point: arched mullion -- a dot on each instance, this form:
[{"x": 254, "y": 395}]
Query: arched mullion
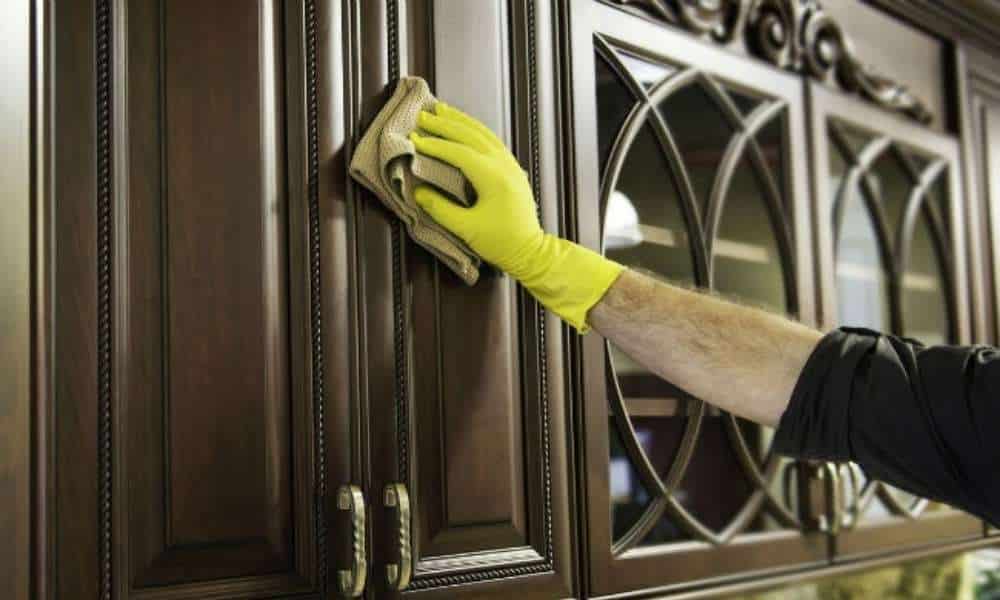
[
  {"x": 606, "y": 51},
  {"x": 668, "y": 143},
  {"x": 630, "y": 129},
  {"x": 857, "y": 178},
  {"x": 874, "y": 201},
  {"x": 745, "y": 140},
  {"x": 761, "y": 480},
  {"x": 635, "y": 452},
  {"x": 727, "y": 165},
  {"x": 911, "y": 213},
  {"x": 860, "y": 162},
  {"x": 779, "y": 222}
]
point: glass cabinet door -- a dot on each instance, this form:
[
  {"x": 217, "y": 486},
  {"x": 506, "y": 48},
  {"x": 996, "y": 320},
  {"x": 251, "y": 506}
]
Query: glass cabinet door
[
  {"x": 689, "y": 177},
  {"x": 892, "y": 259}
]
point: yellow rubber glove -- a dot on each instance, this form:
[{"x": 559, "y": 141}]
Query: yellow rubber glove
[{"x": 502, "y": 227}]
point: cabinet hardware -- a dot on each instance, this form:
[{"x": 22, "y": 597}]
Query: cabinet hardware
[
  {"x": 352, "y": 581},
  {"x": 852, "y": 509},
  {"x": 830, "y": 522},
  {"x": 399, "y": 574}
]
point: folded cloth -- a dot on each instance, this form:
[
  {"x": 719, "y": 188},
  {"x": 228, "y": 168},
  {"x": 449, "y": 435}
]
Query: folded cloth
[{"x": 386, "y": 162}]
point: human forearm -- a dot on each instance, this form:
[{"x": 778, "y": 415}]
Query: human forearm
[{"x": 743, "y": 360}]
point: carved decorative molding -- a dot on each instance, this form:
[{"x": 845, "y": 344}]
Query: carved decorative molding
[{"x": 793, "y": 34}]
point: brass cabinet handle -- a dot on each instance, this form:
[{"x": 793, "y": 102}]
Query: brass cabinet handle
[
  {"x": 830, "y": 523},
  {"x": 853, "y": 509},
  {"x": 399, "y": 574},
  {"x": 353, "y": 580}
]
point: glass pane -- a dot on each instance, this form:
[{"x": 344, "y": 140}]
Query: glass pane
[
  {"x": 643, "y": 224},
  {"x": 855, "y": 139},
  {"x": 644, "y": 228},
  {"x": 746, "y": 260},
  {"x": 656, "y": 409},
  {"x": 862, "y": 289},
  {"x": 907, "y": 499},
  {"x": 939, "y": 196},
  {"x": 629, "y": 496},
  {"x": 745, "y": 102},
  {"x": 925, "y": 309},
  {"x": 771, "y": 139},
  {"x": 646, "y": 72},
  {"x": 891, "y": 185},
  {"x": 715, "y": 487},
  {"x": 614, "y": 101},
  {"x": 702, "y": 134},
  {"x": 758, "y": 439}
]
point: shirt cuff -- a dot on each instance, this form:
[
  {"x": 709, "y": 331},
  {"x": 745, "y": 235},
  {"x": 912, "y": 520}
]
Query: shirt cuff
[{"x": 815, "y": 425}]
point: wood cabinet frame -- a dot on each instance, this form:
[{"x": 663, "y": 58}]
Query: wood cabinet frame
[
  {"x": 979, "y": 97},
  {"x": 825, "y": 104}
]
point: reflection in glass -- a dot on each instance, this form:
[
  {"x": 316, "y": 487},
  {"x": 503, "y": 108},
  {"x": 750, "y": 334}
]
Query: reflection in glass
[
  {"x": 715, "y": 487},
  {"x": 862, "y": 289},
  {"x": 647, "y": 73},
  {"x": 644, "y": 226},
  {"x": 629, "y": 496},
  {"x": 746, "y": 260},
  {"x": 855, "y": 139},
  {"x": 701, "y": 132},
  {"x": 614, "y": 102},
  {"x": 891, "y": 184},
  {"x": 771, "y": 139},
  {"x": 744, "y": 101},
  {"x": 925, "y": 310}
]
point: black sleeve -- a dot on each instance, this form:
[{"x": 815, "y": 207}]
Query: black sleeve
[{"x": 922, "y": 419}]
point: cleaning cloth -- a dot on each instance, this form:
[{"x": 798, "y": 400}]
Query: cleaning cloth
[{"x": 386, "y": 162}]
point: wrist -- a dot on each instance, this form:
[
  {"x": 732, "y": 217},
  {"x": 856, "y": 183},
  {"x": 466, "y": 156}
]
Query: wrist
[{"x": 567, "y": 278}]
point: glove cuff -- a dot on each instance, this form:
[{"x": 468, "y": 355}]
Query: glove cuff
[{"x": 567, "y": 278}]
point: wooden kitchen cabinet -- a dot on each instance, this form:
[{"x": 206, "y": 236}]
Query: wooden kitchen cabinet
[
  {"x": 250, "y": 383},
  {"x": 228, "y": 373}
]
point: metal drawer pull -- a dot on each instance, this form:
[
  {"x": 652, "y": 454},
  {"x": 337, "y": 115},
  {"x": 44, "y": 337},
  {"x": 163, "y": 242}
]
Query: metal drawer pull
[
  {"x": 352, "y": 581},
  {"x": 399, "y": 574}
]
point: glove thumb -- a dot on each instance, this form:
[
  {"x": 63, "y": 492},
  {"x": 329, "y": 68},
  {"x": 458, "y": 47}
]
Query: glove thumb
[{"x": 448, "y": 214}]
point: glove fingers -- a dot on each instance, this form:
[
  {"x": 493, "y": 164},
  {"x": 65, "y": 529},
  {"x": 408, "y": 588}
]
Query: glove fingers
[
  {"x": 457, "y": 155},
  {"x": 451, "y": 113},
  {"x": 455, "y": 131},
  {"x": 448, "y": 214}
]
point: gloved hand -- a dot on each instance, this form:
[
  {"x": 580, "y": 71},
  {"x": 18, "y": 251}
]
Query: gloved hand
[{"x": 502, "y": 227}]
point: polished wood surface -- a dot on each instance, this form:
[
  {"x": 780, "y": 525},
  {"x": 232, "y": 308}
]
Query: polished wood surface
[
  {"x": 210, "y": 487},
  {"x": 16, "y": 289},
  {"x": 210, "y": 391}
]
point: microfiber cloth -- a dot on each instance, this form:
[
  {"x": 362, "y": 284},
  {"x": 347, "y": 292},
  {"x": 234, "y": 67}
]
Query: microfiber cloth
[{"x": 386, "y": 162}]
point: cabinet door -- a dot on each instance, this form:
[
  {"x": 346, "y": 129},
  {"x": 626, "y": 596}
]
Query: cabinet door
[
  {"x": 464, "y": 383},
  {"x": 689, "y": 168},
  {"x": 191, "y": 410},
  {"x": 890, "y": 236}
]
